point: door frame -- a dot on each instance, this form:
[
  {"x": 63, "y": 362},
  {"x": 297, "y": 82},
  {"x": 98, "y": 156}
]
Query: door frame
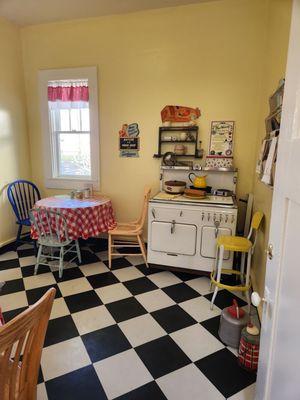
[{"x": 275, "y": 268}]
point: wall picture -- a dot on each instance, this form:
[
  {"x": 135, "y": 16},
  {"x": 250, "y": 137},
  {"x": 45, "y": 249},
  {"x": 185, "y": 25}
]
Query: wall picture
[
  {"x": 221, "y": 139},
  {"x": 129, "y": 141}
]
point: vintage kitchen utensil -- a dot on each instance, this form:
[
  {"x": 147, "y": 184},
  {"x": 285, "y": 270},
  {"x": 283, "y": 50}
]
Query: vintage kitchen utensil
[
  {"x": 183, "y": 136},
  {"x": 198, "y": 181},
  {"x": 222, "y": 192},
  {"x": 207, "y": 189},
  {"x": 79, "y": 194},
  {"x": 233, "y": 320},
  {"x": 194, "y": 197},
  {"x": 195, "y": 192},
  {"x": 174, "y": 187},
  {"x": 169, "y": 158},
  {"x": 180, "y": 149},
  {"x": 87, "y": 193}
]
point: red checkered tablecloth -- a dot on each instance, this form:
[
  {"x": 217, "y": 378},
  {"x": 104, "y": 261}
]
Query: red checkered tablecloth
[{"x": 85, "y": 218}]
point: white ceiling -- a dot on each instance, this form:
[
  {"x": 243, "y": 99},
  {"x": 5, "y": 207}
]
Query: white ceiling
[{"x": 28, "y": 12}]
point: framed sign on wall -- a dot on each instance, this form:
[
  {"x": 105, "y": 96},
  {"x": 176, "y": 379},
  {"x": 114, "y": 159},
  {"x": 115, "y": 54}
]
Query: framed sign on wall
[
  {"x": 129, "y": 141},
  {"x": 221, "y": 139}
]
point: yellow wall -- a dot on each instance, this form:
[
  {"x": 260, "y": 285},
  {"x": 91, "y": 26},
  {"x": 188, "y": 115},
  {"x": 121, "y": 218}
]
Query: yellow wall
[
  {"x": 207, "y": 55},
  {"x": 14, "y": 149},
  {"x": 279, "y": 12},
  {"x": 225, "y": 57}
]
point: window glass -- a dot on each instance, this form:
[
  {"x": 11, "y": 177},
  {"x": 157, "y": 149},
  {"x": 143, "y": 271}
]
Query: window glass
[
  {"x": 75, "y": 119},
  {"x": 74, "y": 154},
  {"x": 85, "y": 119},
  {"x": 64, "y": 120}
]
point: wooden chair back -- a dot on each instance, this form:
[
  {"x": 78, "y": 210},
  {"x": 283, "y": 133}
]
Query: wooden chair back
[
  {"x": 255, "y": 225},
  {"x": 146, "y": 197},
  {"x": 21, "y": 344},
  {"x": 51, "y": 227},
  {"x": 256, "y": 220},
  {"x": 22, "y": 196}
]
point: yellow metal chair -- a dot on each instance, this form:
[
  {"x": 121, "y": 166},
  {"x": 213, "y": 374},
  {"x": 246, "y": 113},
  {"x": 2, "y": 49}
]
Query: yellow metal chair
[{"x": 243, "y": 245}]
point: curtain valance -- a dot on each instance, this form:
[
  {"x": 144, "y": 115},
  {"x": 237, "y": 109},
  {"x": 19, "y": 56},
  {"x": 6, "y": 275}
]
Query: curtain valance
[{"x": 68, "y": 91}]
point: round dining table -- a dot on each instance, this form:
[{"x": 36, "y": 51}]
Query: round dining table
[{"x": 85, "y": 217}]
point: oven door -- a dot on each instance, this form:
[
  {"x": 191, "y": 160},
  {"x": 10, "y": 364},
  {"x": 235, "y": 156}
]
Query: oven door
[
  {"x": 208, "y": 241},
  {"x": 173, "y": 238}
]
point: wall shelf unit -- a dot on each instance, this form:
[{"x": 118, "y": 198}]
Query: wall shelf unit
[
  {"x": 207, "y": 169},
  {"x": 266, "y": 164},
  {"x": 192, "y": 139}
]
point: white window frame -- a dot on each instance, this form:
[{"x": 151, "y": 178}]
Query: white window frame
[{"x": 56, "y": 182}]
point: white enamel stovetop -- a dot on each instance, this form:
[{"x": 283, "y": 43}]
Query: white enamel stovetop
[{"x": 209, "y": 200}]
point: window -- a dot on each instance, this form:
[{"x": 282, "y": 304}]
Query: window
[{"x": 70, "y": 124}]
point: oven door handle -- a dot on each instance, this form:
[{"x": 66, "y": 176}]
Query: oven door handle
[
  {"x": 173, "y": 226},
  {"x": 217, "y": 224}
]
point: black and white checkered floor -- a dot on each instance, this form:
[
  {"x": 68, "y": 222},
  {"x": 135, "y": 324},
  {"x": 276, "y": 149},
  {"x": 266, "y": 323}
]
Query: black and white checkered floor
[{"x": 130, "y": 333}]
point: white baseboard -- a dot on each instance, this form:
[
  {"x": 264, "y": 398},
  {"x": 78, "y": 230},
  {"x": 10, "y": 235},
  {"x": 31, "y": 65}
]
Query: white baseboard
[{"x": 9, "y": 241}]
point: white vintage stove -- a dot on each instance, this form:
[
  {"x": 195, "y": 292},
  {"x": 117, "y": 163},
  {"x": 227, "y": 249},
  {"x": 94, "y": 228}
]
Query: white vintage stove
[{"x": 182, "y": 232}]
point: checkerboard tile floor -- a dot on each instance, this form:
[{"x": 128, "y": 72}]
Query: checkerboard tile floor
[{"x": 131, "y": 333}]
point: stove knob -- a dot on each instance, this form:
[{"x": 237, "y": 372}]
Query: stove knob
[
  {"x": 208, "y": 216},
  {"x": 215, "y": 217},
  {"x": 202, "y": 216},
  {"x": 226, "y": 218},
  {"x": 232, "y": 219},
  {"x": 181, "y": 213},
  {"x": 221, "y": 217}
]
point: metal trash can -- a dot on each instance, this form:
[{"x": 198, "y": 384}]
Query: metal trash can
[{"x": 233, "y": 320}]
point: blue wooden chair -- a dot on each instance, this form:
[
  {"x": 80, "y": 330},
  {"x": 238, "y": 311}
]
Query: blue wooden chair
[{"x": 22, "y": 196}]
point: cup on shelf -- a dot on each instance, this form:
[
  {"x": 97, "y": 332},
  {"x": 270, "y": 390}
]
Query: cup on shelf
[
  {"x": 183, "y": 136},
  {"x": 180, "y": 149}
]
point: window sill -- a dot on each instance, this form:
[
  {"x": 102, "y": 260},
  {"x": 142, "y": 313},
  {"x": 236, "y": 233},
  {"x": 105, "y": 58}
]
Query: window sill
[{"x": 65, "y": 183}]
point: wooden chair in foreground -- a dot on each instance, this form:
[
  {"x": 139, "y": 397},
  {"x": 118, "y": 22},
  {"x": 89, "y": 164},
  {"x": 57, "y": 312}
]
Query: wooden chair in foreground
[
  {"x": 132, "y": 232},
  {"x": 21, "y": 344}
]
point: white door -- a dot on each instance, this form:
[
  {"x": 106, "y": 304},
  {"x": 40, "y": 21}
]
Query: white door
[{"x": 279, "y": 365}]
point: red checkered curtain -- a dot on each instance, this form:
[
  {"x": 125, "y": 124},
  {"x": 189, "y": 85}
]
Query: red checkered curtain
[{"x": 68, "y": 91}]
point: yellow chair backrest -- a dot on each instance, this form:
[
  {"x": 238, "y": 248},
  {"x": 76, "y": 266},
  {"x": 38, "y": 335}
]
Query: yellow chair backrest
[{"x": 256, "y": 220}]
